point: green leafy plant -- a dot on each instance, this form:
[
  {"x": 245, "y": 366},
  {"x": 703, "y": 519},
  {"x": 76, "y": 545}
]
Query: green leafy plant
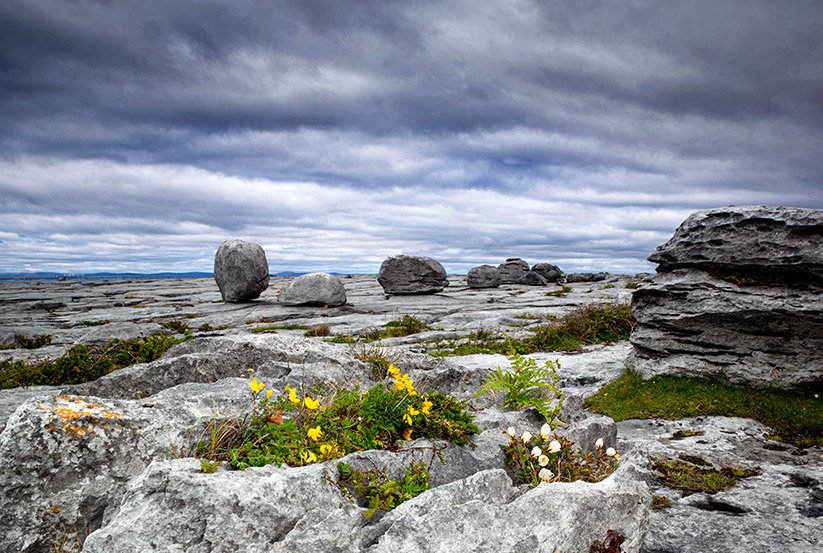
[
  {"x": 177, "y": 326},
  {"x": 301, "y": 428},
  {"x": 374, "y": 489},
  {"x": 544, "y": 457},
  {"x": 527, "y": 385}
]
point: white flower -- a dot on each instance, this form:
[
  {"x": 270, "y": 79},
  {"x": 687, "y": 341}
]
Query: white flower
[
  {"x": 554, "y": 446},
  {"x": 611, "y": 452},
  {"x": 536, "y": 452},
  {"x": 543, "y": 460},
  {"x": 545, "y": 475},
  {"x": 526, "y": 437},
  {"x": 599, "y": 443},
  {"x": 511, "y": 431},
  {"x": 545, "y": 430}
]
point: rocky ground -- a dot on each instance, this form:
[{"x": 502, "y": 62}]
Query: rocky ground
[{"x": 135, "y": 487}]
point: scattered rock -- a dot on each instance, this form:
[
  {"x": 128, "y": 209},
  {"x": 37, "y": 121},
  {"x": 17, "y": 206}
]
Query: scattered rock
[
  {"x": 739, "y": 296},
  {"x": 314, "y": 289},
  {"x": 513, "y": 270},
  {"x": 241, "y": 270},
  {"x": 551, "y": 273},
  {"x": 533, "y": 279},
  {"x": 406, "y": 274},
  {"x": 586, "y": 277},
  {"x": 484, "y": 276}
]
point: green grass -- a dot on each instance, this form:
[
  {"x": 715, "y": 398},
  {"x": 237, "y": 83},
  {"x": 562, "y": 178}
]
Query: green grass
[
  {"x": 689, "y": 478},
  {"x": 272, "y": 329},
  {"x": 84, "y": 363},
  {"x": 796, "y": 417},
  {"x": 593, "y": 324},
  {"x": 341, "y": 339},
  {"x": 377, "y": 357},
  {"x": 405, "y": 326},
  {"x": 177, "y": 326}
]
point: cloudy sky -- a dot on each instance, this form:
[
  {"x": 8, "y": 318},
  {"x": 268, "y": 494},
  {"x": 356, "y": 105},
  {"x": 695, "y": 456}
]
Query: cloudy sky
[{"x": 136, "y": 136}]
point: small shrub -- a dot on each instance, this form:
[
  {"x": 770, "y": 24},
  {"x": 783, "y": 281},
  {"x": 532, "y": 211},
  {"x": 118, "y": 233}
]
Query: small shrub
[
  {"x": 319, "y": 330},
  {"x": 177, "y": 326},
  {"x": 205, "y": 327},
  {"x": 405, "y": 326},
  {"x": 527, "y": 385},
  {"x": 631, "y": 285},
  {"x": 543, "y": 457},
  {"x": 33, "y": 342},
  {"x": 375, "y": 490},
  {"x": 379, "y": 359},
  {"x": 689, "y": 478}
]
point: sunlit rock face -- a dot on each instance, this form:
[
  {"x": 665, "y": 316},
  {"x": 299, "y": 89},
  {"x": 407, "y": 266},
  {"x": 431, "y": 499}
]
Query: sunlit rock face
[{"x": 738, "y": 295}]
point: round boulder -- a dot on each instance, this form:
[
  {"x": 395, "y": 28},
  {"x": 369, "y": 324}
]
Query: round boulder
[
  {"x": 314, "y": 289},
  {"x": 484, "y": 276},
  {"x": 513, "y": 270},
  {"x": 533, "y": 279},
  {"x": 407, "y": 274},
  {"x": 548, "y": 271},
  {"x": 241, "y": 270}
]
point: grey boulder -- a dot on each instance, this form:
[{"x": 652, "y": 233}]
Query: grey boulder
[
  {"x": 241, "y": 270},
  {"x": 533, "y": 279},
  {"x": 586, "y": 277},
  {"x": 513, "y": 270},
  {"x": 407, "y": 274},
  {"x": 483, "y": 276},
  {"x": 314, "y": 289},
  {"x": 551, "y": 273}
]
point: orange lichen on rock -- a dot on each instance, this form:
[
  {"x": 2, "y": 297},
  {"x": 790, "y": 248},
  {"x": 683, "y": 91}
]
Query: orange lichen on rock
[{"x": 80, "y": 418}]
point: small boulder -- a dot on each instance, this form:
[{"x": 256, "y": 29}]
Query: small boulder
[
  {"x": 586, "y": 277},
  {"x": 314, "y": 289},
  {"x": 533, "y": 279},
  {"x": 484, "y": 276},
  {"x": 407, "y": 274},
  {"x": 241, "y": 270},
  {"x": 513, "y": 270},
  {"x": 551, "y": 273}
]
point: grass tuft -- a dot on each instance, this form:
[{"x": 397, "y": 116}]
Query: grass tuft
[
  {"x": 689, "y": 478},
  {"x": 559, "y": 293},
  {"x": 405, "y": 326},
  {"x": 323, "y": 329},
  {"x": 796, "y": 417}
]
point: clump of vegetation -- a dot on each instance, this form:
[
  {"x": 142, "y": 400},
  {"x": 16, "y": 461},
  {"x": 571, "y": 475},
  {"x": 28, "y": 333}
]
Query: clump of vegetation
[
  {"x": 795, "y": 416},
  {"x": 608, "y": 286},
  {"x": 83, "y": 363},
  {"x": 341, "y": 339},
  {"x": 593, "y": 324},
  {"x": 527, "y": 385},
  {"x": 377, "y": 357},
  {"x": 689, "y": 478},
  {"x": 267, "y": 329},
  {"x": 405, "y": 326},
  {"x": 319, "y": 330},
  {"x": 559, "y": 293},
  {"x": 33, "y": 342},
  {"x": 660, "y": 502},
  {"x": 177, "y": 326},
  {"x": 299, "y": 429},
  {"x": 543, "y": 457},
  {"x": 374, "y": 489},
  {"x": 631, "y": 285},
  {"x": 479, "y": 341}
]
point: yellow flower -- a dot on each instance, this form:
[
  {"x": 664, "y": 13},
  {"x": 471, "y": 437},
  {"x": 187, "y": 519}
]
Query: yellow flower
[
  {"x": 407, "y": 433},
  {"x": 427, "y": 405},
  {"x": 407, "y": 419},
  {"x": 399, "y": 383},
  {"x": 616, "y": 456},
  {"x": 293, "y": 395},
  {"x": 325, "y": 449},
  {"x": 311, "y": 403},
  {"x": 314, "y": 433},
  {"x": 412, "y": 411},
  {"x": 309, "y": 457},
  {"x": 269, "y": 393},
  {"x": 256, "y": 386},
  {"x": 394, "y": 371}
]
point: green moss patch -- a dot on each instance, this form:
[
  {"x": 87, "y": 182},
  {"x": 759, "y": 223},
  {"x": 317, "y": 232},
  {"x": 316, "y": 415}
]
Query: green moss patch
[
  {"x": 689, "y": 478},
  {"x": 795, "y": 417}
]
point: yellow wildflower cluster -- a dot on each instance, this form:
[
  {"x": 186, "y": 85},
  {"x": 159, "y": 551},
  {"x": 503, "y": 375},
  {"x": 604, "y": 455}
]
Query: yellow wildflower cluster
[{"x": 402, "y": 381}]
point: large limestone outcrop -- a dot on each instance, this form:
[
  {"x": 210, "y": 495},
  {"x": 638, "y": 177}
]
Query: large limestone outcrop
[
  {"x": 738, "y": 295},
  {"x": 241, "y": 270},
  {"x": 407, "y": 274}
]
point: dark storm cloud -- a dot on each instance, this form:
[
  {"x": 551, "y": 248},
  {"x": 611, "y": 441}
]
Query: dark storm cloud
[{"x": 469, "y": 130}]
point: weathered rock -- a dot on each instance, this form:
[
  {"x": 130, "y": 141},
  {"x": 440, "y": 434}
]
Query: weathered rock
[
  {"x": 533, "y": 279},
  {"x": 483, "y": 276},
  {"x": 586, "y": 277},
  {"x": 513, "y": 270},
  {"x": 738, "y": 296},
  {"x": 406, "y": 274},
  {"x": 241, "y": 270},
  {"x": 551, "y": 273},
  {"x": 314, "y": 289},
  {"x": 586, "y": 431}
]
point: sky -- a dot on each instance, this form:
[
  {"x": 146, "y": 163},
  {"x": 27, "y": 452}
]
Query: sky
[{"x": 138, "y": 135}]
